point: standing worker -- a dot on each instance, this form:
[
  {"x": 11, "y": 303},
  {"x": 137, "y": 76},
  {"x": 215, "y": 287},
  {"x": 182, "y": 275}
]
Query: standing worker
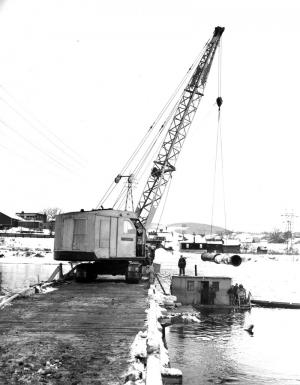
[
  {"x": 230, "y": 292},
  {"x": 152, "y": 252},
  {"x": 235, "y": 294},
  {"x": 241, "y": 295},
  {"x": 181, "y": 265}
]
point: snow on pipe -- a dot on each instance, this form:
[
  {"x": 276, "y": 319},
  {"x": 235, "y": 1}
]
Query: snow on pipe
[{"x": 234, "y": 259}]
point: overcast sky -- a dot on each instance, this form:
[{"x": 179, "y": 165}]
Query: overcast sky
[{"x": 81, "y": 81}]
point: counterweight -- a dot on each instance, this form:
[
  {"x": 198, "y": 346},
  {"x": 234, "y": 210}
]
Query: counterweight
[{"x": 164, "y": 165}]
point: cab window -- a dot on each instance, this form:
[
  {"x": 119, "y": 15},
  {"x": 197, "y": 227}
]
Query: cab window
[{"x": 128, "y": 228}]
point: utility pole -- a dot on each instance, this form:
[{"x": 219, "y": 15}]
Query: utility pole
[
  {"x": 289, "y": 221},
  {"x": 194, "y": 236}
]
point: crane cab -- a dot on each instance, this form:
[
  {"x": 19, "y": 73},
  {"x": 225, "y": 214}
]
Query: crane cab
[{"x": 110, "y": 238}]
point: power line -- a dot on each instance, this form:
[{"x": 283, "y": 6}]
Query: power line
[
  {"x": 32, "y": 126},
  {"x": 26, "y": 159},
  {"x": 36, "y": 147},
  {"x": 75, "y": 157}
]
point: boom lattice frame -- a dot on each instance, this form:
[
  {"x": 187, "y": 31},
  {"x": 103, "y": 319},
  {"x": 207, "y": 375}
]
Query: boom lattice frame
[{"x": 164, "y": 165}]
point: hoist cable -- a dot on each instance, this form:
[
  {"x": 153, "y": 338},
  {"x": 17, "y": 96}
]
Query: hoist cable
[
  {"x": 142, "y": 161},
  {"x": 152, "y": 144},
  {"x": 107, "y": 193},
  {"x": 154, "y": 141},
  {"x": 120, "y": 203},
  {"x": 120, "y": 196},
  {"x": 170, "y": 115},
  {"x": 214, "y": 183},
  {"x": 147, "y": 153},
  {"x": 146, "y": 166},
  {"x": 220, "y": 133},
  {"x": 113, "y": 185},
  {"x": 219, "y": 143},
  {"x": 222, "y": 173},
  {"x": 139, "y": 146}
]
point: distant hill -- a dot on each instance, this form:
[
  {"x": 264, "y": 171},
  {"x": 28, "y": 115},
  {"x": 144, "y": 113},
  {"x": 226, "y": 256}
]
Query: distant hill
[{"x": 197, "y": 228}]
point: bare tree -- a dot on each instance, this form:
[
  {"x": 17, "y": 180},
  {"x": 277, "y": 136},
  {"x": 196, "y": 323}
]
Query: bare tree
[{"x": 51, "y": 213}]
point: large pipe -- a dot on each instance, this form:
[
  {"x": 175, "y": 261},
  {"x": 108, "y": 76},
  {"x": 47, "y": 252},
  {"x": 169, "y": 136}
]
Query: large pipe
[{"x": 234, "y": 259}]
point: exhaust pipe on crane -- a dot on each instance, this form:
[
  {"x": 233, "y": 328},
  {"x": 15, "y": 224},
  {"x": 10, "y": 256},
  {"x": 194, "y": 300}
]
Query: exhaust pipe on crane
[{"x": 234, "y": 259}]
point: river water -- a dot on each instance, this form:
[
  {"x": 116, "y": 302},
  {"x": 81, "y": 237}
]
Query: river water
[
  {"x": 218, "y": 350},
  {"x": 19, "y": 273}
]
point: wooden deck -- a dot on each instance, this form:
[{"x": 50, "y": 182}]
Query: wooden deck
[{"x": 77, "y": 334}]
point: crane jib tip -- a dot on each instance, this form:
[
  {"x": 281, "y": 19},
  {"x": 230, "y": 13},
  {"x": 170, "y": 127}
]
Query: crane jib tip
[{"x": 219, "y": 31}]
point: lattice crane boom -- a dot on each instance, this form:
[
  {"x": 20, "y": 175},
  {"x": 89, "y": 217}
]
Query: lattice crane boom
[{"x": 164, "y": 165}]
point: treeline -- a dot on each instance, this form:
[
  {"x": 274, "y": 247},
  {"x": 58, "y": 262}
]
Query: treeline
[{"x": 279, "y": 236}]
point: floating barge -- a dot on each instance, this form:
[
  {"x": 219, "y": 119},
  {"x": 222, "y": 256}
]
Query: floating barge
[
  {"x": 215, "y": 292},
  {"x": 205, "y": 292}
]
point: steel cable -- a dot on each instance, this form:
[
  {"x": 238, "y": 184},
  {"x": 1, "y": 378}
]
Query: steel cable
[
  {"x": 219, "y": 143},
  {"x": 151, "y": 148},
  {"x": 75, "y": 157},
  {"x": 35, "y": 146}
]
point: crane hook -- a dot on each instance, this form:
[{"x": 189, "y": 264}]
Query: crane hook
[{"x": 219, "y": 101}]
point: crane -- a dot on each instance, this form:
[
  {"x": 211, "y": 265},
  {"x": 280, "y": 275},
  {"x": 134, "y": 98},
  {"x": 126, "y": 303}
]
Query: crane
[
  {"x": 164, "y": 165},
  {"x": 115, "y": 240}
]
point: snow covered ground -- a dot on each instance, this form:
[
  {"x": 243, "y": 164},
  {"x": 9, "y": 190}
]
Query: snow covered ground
[{"x": 35, "y": 250}]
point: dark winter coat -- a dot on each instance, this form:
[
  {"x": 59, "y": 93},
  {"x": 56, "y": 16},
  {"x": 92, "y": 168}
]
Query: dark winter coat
[{"x": 181, "y": 262}]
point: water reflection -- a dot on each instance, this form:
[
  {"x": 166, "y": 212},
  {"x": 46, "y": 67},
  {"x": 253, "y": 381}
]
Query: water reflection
[{"x": 16, "y": 276}]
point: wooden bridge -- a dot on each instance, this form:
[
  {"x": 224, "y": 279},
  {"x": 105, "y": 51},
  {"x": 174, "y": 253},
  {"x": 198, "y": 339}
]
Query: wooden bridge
[{"x": 77, "y": 334}]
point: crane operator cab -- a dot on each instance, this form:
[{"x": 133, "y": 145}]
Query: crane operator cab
[{"x": 107, "y": 241}]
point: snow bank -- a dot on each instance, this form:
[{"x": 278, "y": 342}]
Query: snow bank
[
  {"x": 154, "y": 339},
  {"x": 149, "y": 355},
  {"x": 158, "y": 362}
]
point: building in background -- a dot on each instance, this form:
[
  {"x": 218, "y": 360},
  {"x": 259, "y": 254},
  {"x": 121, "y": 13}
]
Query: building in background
[
  {"x": 33, "y": 216},
  {"x": 34, "y": 221},
  {"x": 7, "y": 221}
]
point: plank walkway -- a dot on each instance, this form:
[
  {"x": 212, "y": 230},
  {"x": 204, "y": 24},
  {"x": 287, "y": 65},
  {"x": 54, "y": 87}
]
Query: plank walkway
[{"x": 77, "y": 334}]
